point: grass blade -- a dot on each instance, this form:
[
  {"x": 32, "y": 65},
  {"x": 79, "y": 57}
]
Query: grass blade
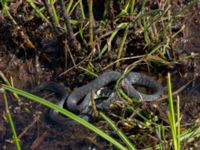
[
  {"x": 171, "y": 115},
  {"x": 66, "y": 113},
  {"x": 39, "y": 13},
  {"x": 119, "y": 132},
  {"x": 12, "y": 126}
]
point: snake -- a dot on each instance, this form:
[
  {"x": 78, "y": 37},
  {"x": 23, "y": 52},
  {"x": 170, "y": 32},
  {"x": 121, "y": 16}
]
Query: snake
[
  {"x": 61, "y": 94},
  {"x": 73, "y": 101},
  {"x": 79, "y": 93},
  {"x": 142, "y": 80},
  {"x": 79, "y": 100}
]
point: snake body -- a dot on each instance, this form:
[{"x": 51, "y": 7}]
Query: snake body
[
  {"x": 142, "y": 80},
  {"x": 79, "y": 100},
  {"x": 52, "y": 86},
  {"x": 78, "y": 94},
  {"x": 127, "y": 85},
  {"x": 62, "y": 95}
]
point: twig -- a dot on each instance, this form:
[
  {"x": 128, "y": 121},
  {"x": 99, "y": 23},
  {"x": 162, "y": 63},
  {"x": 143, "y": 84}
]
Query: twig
[
  {"x": 177, "y": 91},
  {"x": 63, "y": 73},
  {"x": 123, "y": 59},
  {"x": 51, "y": 18},
  {"x": 29, "y": 126},
  {"x": 67, "y": 50},
  {"x": 122, "y": 45},
  {"x": 39, "y": 140},
  {"x": 91, "y": 42},
  {"x": 75, "y": 43}
]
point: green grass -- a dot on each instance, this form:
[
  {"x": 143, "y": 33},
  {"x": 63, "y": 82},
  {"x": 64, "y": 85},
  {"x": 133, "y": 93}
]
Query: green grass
[
  {"x": 66, "y": 113},
  {"x": 189, "y": 134},
  {"x": 12, "y": 126},
  {"x": 6, "y": 12},
  {"x": 174, "y": 123},
  {"x": 118, "y": 132},
  {"x": 38, "y": 11}
]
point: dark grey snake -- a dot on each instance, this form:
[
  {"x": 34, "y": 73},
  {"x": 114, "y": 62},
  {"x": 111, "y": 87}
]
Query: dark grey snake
[{"x": 79, "y": 100}]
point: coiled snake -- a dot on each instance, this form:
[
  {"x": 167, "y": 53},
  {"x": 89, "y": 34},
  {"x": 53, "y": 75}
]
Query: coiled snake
[{"x": 79, "y": 100}]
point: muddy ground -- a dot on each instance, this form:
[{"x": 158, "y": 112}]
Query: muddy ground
[{"x": 18, "y": 60}]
